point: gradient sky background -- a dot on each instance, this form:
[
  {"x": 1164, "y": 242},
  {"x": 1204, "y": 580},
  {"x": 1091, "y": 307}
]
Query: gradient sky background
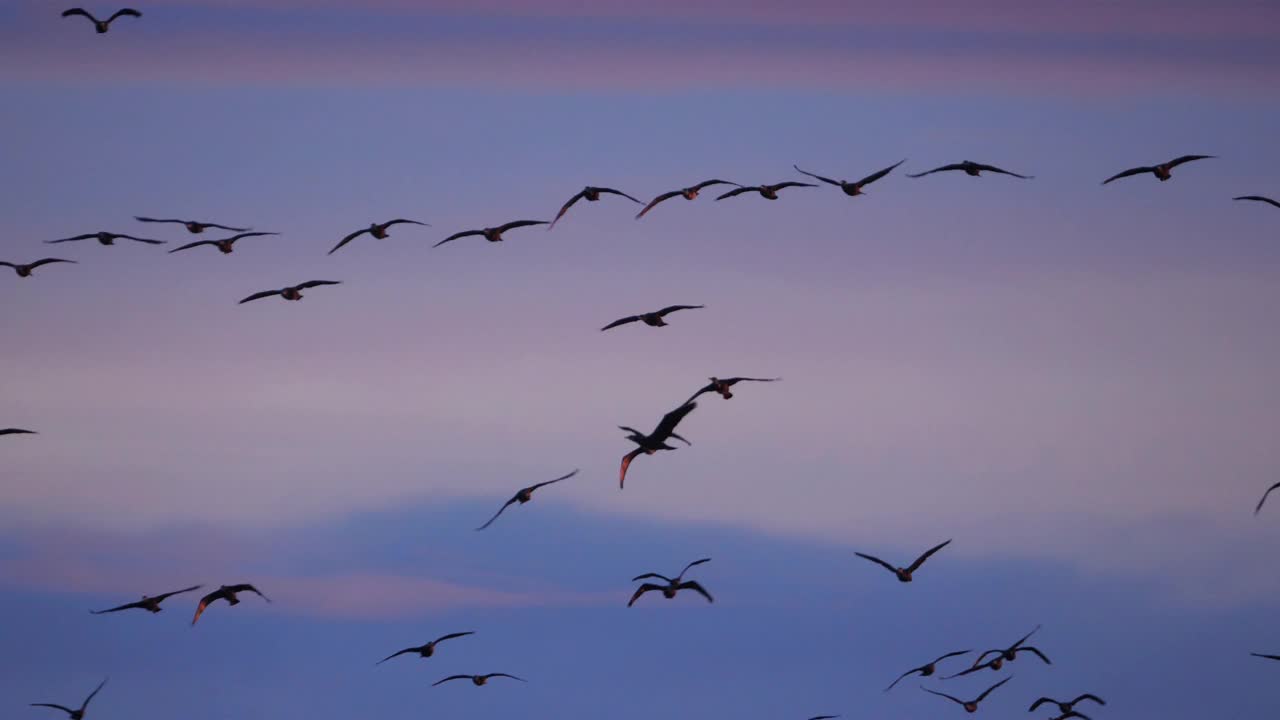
[{"x": 1076, "y": 383}]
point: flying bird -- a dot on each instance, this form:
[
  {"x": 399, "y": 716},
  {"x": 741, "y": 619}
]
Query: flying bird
[
  {"x": 25, "y": 270},
  {"x": 477, "y": 680},
  {"x": 105, "y": 238},
  {"x": 971, "y": 168},
  {"x": 492, "y": 234},
  {"x": 1066, "y": 708},
  {"x": 1258, "y": 198},
  {"x": 689, "y": 193},
  {"x": 1266, "y": 657},
  {"x": 523, "y": 496},
  {"x": 1161, "y": 171},
  {"x": 290, "y": 293},
  {"x": 377, "y": 230},
  {"x": 427, "y": 650},
  {"x": 1004, "y": 655},
  {"x": 926, "y": 670},
  {"x": 722, "y": 385},
  {"x": 652, "y": 319},
  {"x": 193, "y": 227},
  {"x": 228, "y": 593},
  {"x": 148, "y": 603},
  {"x": 655, "y": 441},
  {"x": 590, "y": 194},
  {"x": 970, "y": 706},
  {"x": 672, "y": 586},
  {"x": 904, "y": 574},
  {"x": 852, "y": 189},
  {"x": 101, "y": 25},
  {"x": 1264, "y": 498},
  {"x": 768, "y": 192},
  {"x": 74, "y": 714},
  {"x": 225, "y": 246},
  {"x": 16, "y": 431}
]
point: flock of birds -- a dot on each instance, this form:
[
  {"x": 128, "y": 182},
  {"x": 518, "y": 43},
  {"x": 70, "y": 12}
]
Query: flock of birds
[{"x": 645, "y": 443}]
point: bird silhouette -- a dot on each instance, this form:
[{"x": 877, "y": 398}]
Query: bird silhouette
[
  {"x": 652, "y": 319},
  {"x": 377, "y": 230},
  {"x": 105, "y": 238},
  {"x": 968, "y": 167},
  {"x": 852, "y": 189},
  {"x": 477, "y": 680},
  {"x": 290, "y": 293},
  {"x": 1161, "y": 171},
  {"x": 149, "y": 603},
  {"x": 228, "y": 593},
  {"x": 723, "y": 385},
  {"x": 524, "y": 495},
  {"x": 768, "y": 192},
  {"x": 492, "y": 234},
  {"x": 192, "y": 226},
  {"x": 590, "y": 194},
  {"x": 1065, "y": 708},
  {"x": 970, "y": 706},
  {"x": 226, "y": 245},
  {"x": 656, "y": 440},
  {"x": 25, "y": 270},
  {"x": 688, "y": 193},
  {"x": 671, "y": 586},
  {"x": 426, "y": 651},
  {"x": 904, "y": 574},
  {"x": 77, "y": 714},
  {"x": 101, "y": 26},
  {"x": 926, "y": 670}
]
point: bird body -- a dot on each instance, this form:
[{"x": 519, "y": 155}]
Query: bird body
[
  {"x": 26, "y": 270},
  {"x": 1163, "y": 171},
  {"x": 101, "y": 26}
]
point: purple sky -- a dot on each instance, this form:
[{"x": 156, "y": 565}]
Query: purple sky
[{"x": 1075, "y": 382}]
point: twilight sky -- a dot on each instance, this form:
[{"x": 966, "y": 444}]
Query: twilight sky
[{"x": 1077, "y": 383}]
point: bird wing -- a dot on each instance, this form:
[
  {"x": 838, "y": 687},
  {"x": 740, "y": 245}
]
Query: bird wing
[
  {"x": 89, "y": 699},
  {"x": 551, "y": 482},
  {"x": 1034, "y": 651},
  {"x": 505, "y": 505},
  {"x": 956, "y": 700},
  {"x": 611, "y": 191},
  {"x": 626, "y": 463},
  {"x": 944, "y": 168},
  {"x": 709, "y": 387},
  {"x": 124, "y": 12},
  {"x": 45, "y": 261},
  {"x": 952, "y": 654},
  {"x": 126, "y": 606},
  {"x": 66, "y": 710},
  {"x": 901, "y": 678},
  {"x": 451, "y": 677},
  {"x": 1264, "y": 498},
  {"x": 994, "y": 169},
  {"x": 205, "y": 602},
  {"x": 695, "y": 562},
  {"x": 246, "y": 587},
  {"x": 581, "y": 194},
  {"x": 451, "y": 636},
  {"x": 85, "y": 13},
  {"x": 188, "y": 246},
  {"x": 928, "y": 553},
  {"x": 673, "y": 308},
  {"x": 829, "y": 181},
  {"x": 1258, "y": 198},
  {"x": 1018, "y": 644},
  {"x": 165, "y": 596},
  {"x": 878, "y": 561},
  {"x": 641, "y": 591},
  {"x": 317, "y": 283},
  {"x": 1089, "y": 696},
  {"x": 736, "y": 380},
  {"x": 620, "y": 321},
  {"x": 16, "y": 431},
  {"x": 348, "y": 239},
  {"x": 969, "y": 671},
  {"x": 739, "y": 191},
  {"x": 879, "y": 173},
  {"x": 709, "y": 183},
  {"x": 660, "y": 576},
  {"x": 260, "y": 295},
  {"x": 655, "y": 201},
  {"x": 457, "y": 236},
  {"x": 86, "y": 236},
  {"x": 667, "y": 425},
  {"x": 1266, "y": 657},
  {"x": 244, "y": 235},
  {"x": 158, "y": 220},
  {"x": 404, "y": 221},
  {"x": 696, "y": 587},
  {"x": 520, "y": 223},
  {"x": 1040, "y": 702},
  {"x": 791, "y": 183},
  {"x": 505, "y": 675},
  {"x": 1186, "y": 159},
  {"x": 991, "y": 689},
  {"x": 398, "y": 654},
  {"x": 226, "y": 227},
  {"x": 142, "y": 240},
  {"x": 1129, "y": 172}
]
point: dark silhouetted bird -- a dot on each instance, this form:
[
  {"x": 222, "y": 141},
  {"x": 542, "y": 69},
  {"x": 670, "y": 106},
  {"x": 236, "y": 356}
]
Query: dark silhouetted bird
[
  {"x": 590, "y": 194},
  {"x": 105, "y": 238},
  {"x": 655, "y": 441},
  {"x": 101, "y": 26},
  {"x": 689, "y": 193},
  {"x": 969, "y": 705},
  {"x": 1004, "y": 655},
  {"x": 1263, "y": 501},
  {"x": 523, "y": 496},
  {"x": 290, "y": 293},
  {"x": 652, "y": 319},
  {"x": 722, "y": 385},
  {"x": 25, "y": 270},
  {"x": 426, "y": 651},
  {"x": 852, "y": 189},
  {"x": 904, "y": 574},
  {"x": 148, "y": 603},
  {"x": 1066, "y": 707},
  {"x": 926, "y": 670},
  {"x": 971, "y": 168},
  {"x": 77, "y": 714},
  {"x": 477, "y": 680},
  {"x": 193, "y": 227},
  {"x": 672, "y": 586},
  {"x": 1258, "y": 198},
  {"x": 768, "y": 192},
  {"x": 377, "y": 230},
  {"x": 228, "y": 593},
  {"x": 493, "y": 234},
  {"x": 1161, "y": 171},
  {"x": 225, "y": 246}
]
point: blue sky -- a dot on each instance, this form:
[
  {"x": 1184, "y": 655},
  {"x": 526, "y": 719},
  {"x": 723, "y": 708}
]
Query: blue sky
[{"x": 1074, "y": 382}]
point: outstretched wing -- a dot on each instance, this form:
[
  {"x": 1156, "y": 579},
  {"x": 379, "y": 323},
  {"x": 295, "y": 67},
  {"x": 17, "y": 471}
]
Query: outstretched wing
[
  {"x": 901, "y": 678},
  {"x": 739, "y": 191},
  {"x": 505, "y": 675},
  {"x": 397, "y": 654},
  {"x": 695, "y": 562},
  {"x": 668, "y": 424},
  {"x": 124, "y": 12},
  {"x": 505, "y": 505},
  {"x": 520, "y": 223},
  {"x": 404, "y": 221},
  {"x": 673, "y": 308},
  {"x": 205, "y": 602},
  {"x": 709, "y": 387},
  {"x": 928, "y": 553},
  {"x": 1024, "y": 638},
  {"x": 1129, "y": 173},
  {"x": 1034, "y": 651},
  {"x": 655, "y": 201},
  {"x": 792, "y": 183},
  {"x": 451, "y": 677},
  {"x": 951, "y": 655},
  {"x": 991, "y": 689},
  {"x": 66, "y": 710},
  {"x": 165, "y": 596},
  {"x": 451, "y": 636},
  {"x": 620, "y": 321},
  {"x": 348, "y": 239},
  {"x": 611, "y": 191},
  {"x": 696, "y": 587},
  {"x": 969, "y": 671},
  {"x": 458, "y": 236},
  {"x": 1266, "y": 657},
  {"x": 228, "y": 228},
  {"x": 126, "y": 606},
  {"x": 626, "y": 463},
  {"x": 879, "y": 173},
  {"x": 581, "y": 194},
  {"x": 260, "y": 295},
  {"x": 83, "y": 13},
  {"x": 89, "y": 699},
  {"x": 16, "y": 431},
  {"x": 550, "y": 482},
  {"x": 86, "y": 236},
  {"x": 827, "y": 180},
  {"x": 878, "y": 561},
  {"x": 709, "y": 183},
  {"x": 142, "y": 240},
  {"x": 1258, "y": 198},
  {"x": 1186, "y": 159},
  {"x": 1040, "y": 702},
  {"x": 941, "y": 694},
  {"x": 1264, "y": 498},
  {"x": 1089, "y": 696},
  {"x": 641, "y": 591},
  {"x": 645, "y": 576},
  {"x": 46, "y": 261},
  {"x": 944, "y": 168},
  {"x": 246, "y": 587},
  {"x": 994, "y": 169},
  {"x": 188, "y": 246},
  {"x": 317, "y": 283}
]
